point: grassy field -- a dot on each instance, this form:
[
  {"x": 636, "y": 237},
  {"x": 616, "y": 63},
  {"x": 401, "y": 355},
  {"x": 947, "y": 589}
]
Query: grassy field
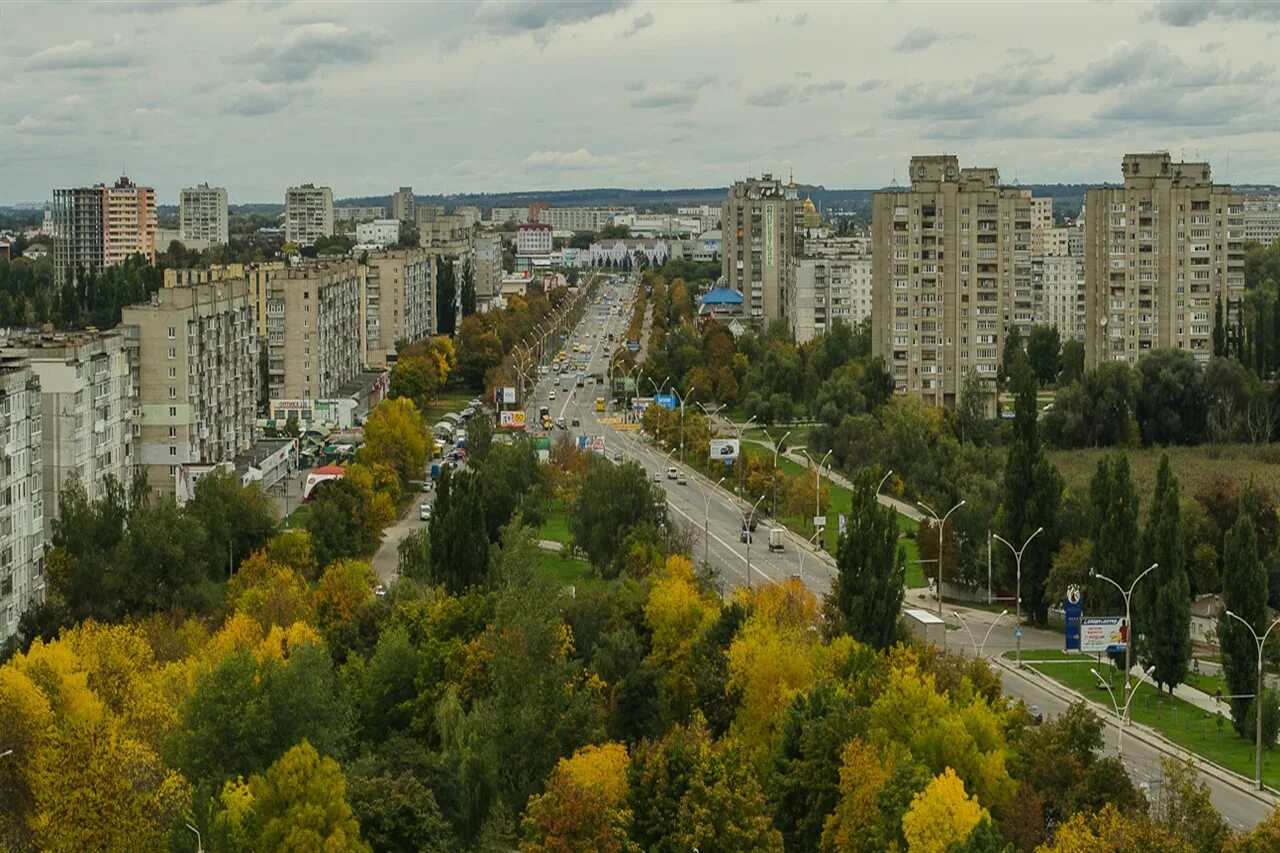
[
  {"x": 1193, "y": 465},
  {"x": 1208, "y": 684},
  {"x": 453, "y": 400},
  {"x": 298, "y": 518},
  {"x": 1188, "y": 726},
  {"x": 562, "y": 570},
  {"x": 556, "y": 527}
]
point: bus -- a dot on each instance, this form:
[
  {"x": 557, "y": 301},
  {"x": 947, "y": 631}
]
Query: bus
[{"x": 599, "y": 404}]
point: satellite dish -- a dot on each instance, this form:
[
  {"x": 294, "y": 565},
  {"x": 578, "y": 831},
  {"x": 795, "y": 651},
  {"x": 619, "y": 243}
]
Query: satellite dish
[{"x": 1102, "y": 321}]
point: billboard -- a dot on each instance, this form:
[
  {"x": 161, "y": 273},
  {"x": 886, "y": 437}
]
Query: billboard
[
  {"x": 666, "y": 401},
  {"x": 724, "y": 448},
  {"x": 1074, "y": 610},
  {"x": 1103, "y": 634},
  {"x": 511, "y": 420},
  {"x": 508, "y": 395},
  {"x": 593, "y": 443},
  {"x": 633, "y": 345}
]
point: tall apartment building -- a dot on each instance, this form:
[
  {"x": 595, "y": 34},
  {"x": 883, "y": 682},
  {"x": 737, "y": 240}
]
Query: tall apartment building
[
  {"x": 486, "y": 263},
  {"x": 100, "y": 226},
  {"x": 1058, "y": 284},
  {"x": 193, "y": 353},
  {"x": 308, "y": 214},
  {"x": 831, "y": 281},
  {"x": 951, "y": 270},
  {"x": 87, "y": 398},
  {"x": 760, "y": 223},
  {"x": 314, "y": 330},
  {"x": 202, "y": 214},
  {"x": 22, "y": 532},
  {"x": 402, "y": 204},
  {"x": 1262, "y": 219},
  {"x": 257, "y": 274},
  {"x": 397, "y": 301},
  {"x": 1161, "y": 253}
]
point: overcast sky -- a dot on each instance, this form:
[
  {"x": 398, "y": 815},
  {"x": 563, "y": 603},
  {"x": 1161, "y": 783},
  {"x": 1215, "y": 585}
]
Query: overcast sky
[{"x": 470, "y": 97}]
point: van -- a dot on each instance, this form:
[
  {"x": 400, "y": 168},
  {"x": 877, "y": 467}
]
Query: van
[{"x": 672, "y": 473}]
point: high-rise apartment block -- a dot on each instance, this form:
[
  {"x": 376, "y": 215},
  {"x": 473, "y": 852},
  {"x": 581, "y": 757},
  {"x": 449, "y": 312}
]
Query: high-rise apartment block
[
  {"x": 202, "y": 214},
  {"x": 308, "y": 214},
  {"x": 100, "y": 226},
  {"x": 22, "y": 532},
  {"x": 832, "y": 281},
  {"x": 314, "y": 330},
  {"x": 87, "y": 397},
  {"x": 486, "y": 264},
  {"x": 402, "y": 204},
  {"x": 760, "y": 224},
  {"x": 257, "y": 274},
  {"x": 951, "y": 270},
  {"x": 397, "y": 301},
  {"x": 193, "y": 353},
  {"x": 1262, "y": 219},
  {"x": 1058, "y": 284},
  {"x": 1161, "y": 253}
]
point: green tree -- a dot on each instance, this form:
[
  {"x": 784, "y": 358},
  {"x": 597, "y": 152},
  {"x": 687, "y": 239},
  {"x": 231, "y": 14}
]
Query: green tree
[
  {"x": 398, "y": 814},
  {"x": 1165, "y": 598},
  {"x": 612, "y": 501},
  {"x": 467, "y": 293},
  {"x": 1013, "y": 353},
  {"x": 507, "y": 478},
  {"x": 1114, "y": 529},
  {"x": 973, "y": 414},
  {"x": 1072, "y": 362},
  {"x": 459, "y": 543},
  {"x": 1032, "y": 497},
  {"x": 396, "y": 436},
  {"x": 1044, "y": 353},
  {"x": 242, "y": 517},
  {"x": 867, "y": 594},
  {"x": 1171, "y": 404},
  {"x": 479, "y": 436},
  {"x": 446, "y": 297},
  {"x": 1244, "y": 593},
  {"x": 724, "y": 811},
  {"x": 341, "y": 523}
]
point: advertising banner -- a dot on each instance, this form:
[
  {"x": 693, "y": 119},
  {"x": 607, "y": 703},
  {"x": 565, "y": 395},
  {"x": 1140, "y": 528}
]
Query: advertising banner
[
  {"x": 633, "y": 346},
  {"x": 511, "y": 420},
  {"x": 509, "y": 395},
  {"x": 724, "y": 448},
  {"x": 1103, "y": 634},
  {"x": 666, "y": 401},
  {"x": 1074, "y": 609}
]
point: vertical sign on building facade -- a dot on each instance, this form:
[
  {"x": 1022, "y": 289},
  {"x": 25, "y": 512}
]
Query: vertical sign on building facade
[{"x": 768, "y": 235}]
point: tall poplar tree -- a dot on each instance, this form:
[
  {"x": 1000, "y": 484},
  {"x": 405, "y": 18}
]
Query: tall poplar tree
[
  {"x": 1165, "y": 597},
  {"x": 1244, "y": 593},
  {"x": 467, "y": 293},
  {"x": 446, "y": 298},
  {"x": 1114, "y": 532},
  {"x": 867, "y": 594}
]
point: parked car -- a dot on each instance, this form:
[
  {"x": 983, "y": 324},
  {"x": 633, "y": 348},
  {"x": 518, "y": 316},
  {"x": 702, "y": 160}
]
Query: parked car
[{"x": 424, "y": 512}]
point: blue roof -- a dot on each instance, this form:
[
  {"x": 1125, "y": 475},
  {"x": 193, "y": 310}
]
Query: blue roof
[{"x": 722, "y": 296}]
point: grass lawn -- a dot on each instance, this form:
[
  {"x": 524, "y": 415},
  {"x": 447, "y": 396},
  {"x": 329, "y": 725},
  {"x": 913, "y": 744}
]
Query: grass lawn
[
  {"x": 1186, "y": 725},
  {"x": 1048, "y": 654},
  {"x": 1192, "y": 465},
  {"x": 562, "y": 570},
  {"x": 298, "y": 518},
  {"x": 452, "y": 400},
  {"x": 1210, "y": 684},
  {"x": 556, "y": 527}
]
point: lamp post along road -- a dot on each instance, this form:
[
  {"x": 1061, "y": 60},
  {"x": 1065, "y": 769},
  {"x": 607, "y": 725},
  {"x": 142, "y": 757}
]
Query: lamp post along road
[
  {"x": 1017, "y": 558},
  {"x": 1128, "y": 620},
  {"x": 742, "y": 457},
  {"x": 777, "y": 445},
  {"x": 942, "y": 523},
  {"x": 815, "y": 535},
  {"x": 1121, "y": 717},
  {"x": 1257, "y": 696},
  {"x": 688, "y": 391},
  {"x": 746, "y": 525},
  {"x": 706, "y": 516},
  {"x": 976, "y": 647},
  {"x": 817, "y": 484}
]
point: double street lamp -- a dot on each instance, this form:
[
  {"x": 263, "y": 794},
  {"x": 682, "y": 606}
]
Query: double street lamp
[
  {"x": 1128, "y": 618},
  {"x": 1257, "y": 696},
  {"x": 817, "y": 484},
  {"x": 942, "y": 523},
  {"x": 742, "y": 457},
  {"x": 747, "y": 520},
  {"x": 977, "y": 648},
  {"x": 687, "y": 393},
  {"x": 1017, "y": 557},
  {"x": 1122, "y": 717},
  {"x": 706, "y": 515},
  {"x": 777, "y": 445}
]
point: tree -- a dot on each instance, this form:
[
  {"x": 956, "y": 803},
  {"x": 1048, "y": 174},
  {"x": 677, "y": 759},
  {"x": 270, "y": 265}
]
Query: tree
[
  {"x": 507, "y": 478},
  {"x": 612, "y": 501},
  {"x": 1244, "y": 593},
  {"x": 398, "y": 814},
  {"x": 416, "y": 377},
  {"x": 446, "y": 297},
  {"x": 342, "y": 523},
  {"x": 973, "y": 414},
  {"x": 1184, "y": 807},
  {"x": 467, "y": 293},
  {"x": 867, "y": 594},
  {"x": 1072, "y": 362},
  {"x": 1114, "y": 528},
  {"x": 458, "y": 541},
  {"x": 1171, "y": 406},
  {"x": 1044, "y": 353},
  {"x": 854, "y": 823},
  {"x": 1032, "y": 497},
  {"x": 583, "y": 806},
  {"x": 479, "y": 351},
  {"x": 395, "y": 435},
  {"x": 723, "y": 810},
  {"x": 345, "y": 587},
  {"x": 479, "y": 436},
  {"x": 243, "y": 517},
  {"x": 269, "y": 592},
  {"x": 942, "y": 815},
  {"x": 1165, "y": 601},
  {"x": 1013, "y": 353}
]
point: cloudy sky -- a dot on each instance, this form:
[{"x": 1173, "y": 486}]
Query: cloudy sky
[{"x": 469, "y": 97}]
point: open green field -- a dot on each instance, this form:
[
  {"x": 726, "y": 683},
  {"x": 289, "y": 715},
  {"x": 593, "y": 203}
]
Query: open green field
[
  {"x": 1190, "y": 727},
  {"x": 1210, "y": 684},
  {"x": 1192, "y": 465},
  {"x": 556, "y": 527},
  {"x": 564, "y": 571}
]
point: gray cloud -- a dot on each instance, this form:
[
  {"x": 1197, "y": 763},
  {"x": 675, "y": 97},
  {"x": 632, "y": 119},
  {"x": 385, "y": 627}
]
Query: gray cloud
[
  {"x": 541, "y": 18},
  {"x": 1188, "y": 13},
  {"x": 1233, "y": 111},
  {"x": 920, "y": 38},
  {"x": 83, "y": 54},
  {"x": 1212, "y": 46},
  {"x": 1026, "y": 56},
  {"x": 977, "y": 97},
  {"x": 257, "y": 99},
  {"x": 679, "y": 95},
  {"x": 774, "y": 96},
  {"x": 643, "y": 22},
  {"x": 309, "y": 48},
  {"x": 823, "y": 88},
  {"x": 870, "y": 85},
  {"x": 800, "y": 20},
  {"x": 1148, "y": 62}
]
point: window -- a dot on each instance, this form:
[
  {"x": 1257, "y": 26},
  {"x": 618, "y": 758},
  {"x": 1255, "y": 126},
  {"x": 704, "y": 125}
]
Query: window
[
  {"x": 173, "y": 393},
  {"x": 173, "y": 372},
  {"x": 173, "y": 450},
  {"x": 173, "y": 432},
  {"x": 172, "y": 352},
  {"x": 173, "y": 411},
  {"x": 173, "y": 333}
]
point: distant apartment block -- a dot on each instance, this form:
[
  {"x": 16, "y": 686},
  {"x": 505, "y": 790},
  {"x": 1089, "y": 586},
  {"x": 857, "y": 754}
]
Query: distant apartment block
[
  {"x": 831, "y": 282},
  {"x": 100, "y": 226},
  {"x": 468, "y": 213},
  {"x": 202, "y": 215},
  {"x": 1161, "y": 253},
  {"x": 379, "y": 232},
  {"x": 1058, "y": 284},
  {"x": 1262, "y": 219},
  {"x": 398, "y": 291},
  {"x": 444, "y": 235},
  {"x": 308, "y": 214},
  {"x": 760, "y": 225},
  {"x": 359, "y": 213},
  {"x": 533, "y": 238},
  {"x": 427, "y": 212},
  {"x": 22, "y": 531},
  {"x": 708, "y": 215},
  {"x": 402, "y": 204},
  {"x": 486, "y": 263},
  {"x": 951, "y": 271},
  {"x": 87, "y": 398},
  {"x": 314, "y": 332},
  {"x": 193, "y": 353}
]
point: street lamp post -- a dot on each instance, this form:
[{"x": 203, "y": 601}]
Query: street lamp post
[
  {"x": 687, "y": 392},
  {"x": 777, "y": 445},
  {"x": 886, "y": 476},
  {"x": 1017, "y": 558},
  {"x": 942, "y": 523},
  {"x": 747, "y": 518},
  {"x": 199, "y": 841},
  {"x": 1123, "y": 717},
  {"x": 706, "y": 515},
  {"x": 1257, "y": 696},
  {"x": 742, "y": 457},
  {"x": 976, "y": 647},
  {"x": 815, "y": 535},
  {"x": 817, "y": 484},
  {"x": 1128, "y": 619}
]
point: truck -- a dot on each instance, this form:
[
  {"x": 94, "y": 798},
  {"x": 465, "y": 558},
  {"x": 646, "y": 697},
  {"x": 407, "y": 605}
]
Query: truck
[
  {"x": 926, "y": 626},
  {"x": 776, "y": 535}
]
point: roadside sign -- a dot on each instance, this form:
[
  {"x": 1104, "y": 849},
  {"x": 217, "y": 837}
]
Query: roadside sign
[
  {"x": 1073, "y": 607},
  {"x": 511, "y": 420},
  {"x": 508, "y": 395},
  {"x": 1017, "y": 632},
  {"x": 819, "y": 521},
  {"x": 667, "y": 401},
  {"x": 724, "y": 448},
  {"x": 634, "y": 346},
  {"x": 1103, "y": 634}
]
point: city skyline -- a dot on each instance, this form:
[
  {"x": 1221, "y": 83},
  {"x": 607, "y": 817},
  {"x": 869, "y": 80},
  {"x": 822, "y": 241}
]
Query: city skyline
[{"x": 551, "y": 96}]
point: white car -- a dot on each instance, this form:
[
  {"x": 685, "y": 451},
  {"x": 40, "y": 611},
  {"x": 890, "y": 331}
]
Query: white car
[
  {"x": 672, "y": 473},
  {"x": 551, "y": 395},
  {"x": 424, "y": 512},
  {"x": 657, "y": 478}
]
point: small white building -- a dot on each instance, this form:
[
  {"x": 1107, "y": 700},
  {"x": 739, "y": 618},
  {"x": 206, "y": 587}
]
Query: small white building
[
  {"x": 533, "y": 238},
  {"x": 379, "y": 232}
]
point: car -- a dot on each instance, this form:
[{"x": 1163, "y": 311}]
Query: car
[
  {"x": 672, "y": 473},
  {"x": 560, "y": 423},
  {"x": 575, "y": 422},
  {"x": 380, "y": 590},
  {"x": 424, "y": 512},
  {"x": 551, "y": 395},
  {"x": 657, "y": 477},
  {"x": 744, "y": 535},
  {"x": 617, "y": 456},
  {"x": 1036, "y": 714},
  {"x": 682, "y": 480},
  {"x": 475, "y": 403}
]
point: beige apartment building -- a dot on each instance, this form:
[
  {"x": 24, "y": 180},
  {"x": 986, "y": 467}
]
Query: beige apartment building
[
  {"x": 308, "y": 214},
  {"x": 314, "y": 331},
  {"x": 1161, "y": 253},
  {"x": 761, "y": 236},
  {"x": 402, "y": 204},
  {"x": 951, "y": 270},
  {"x": 1058, "y": 284},
  {"x": 486, "y": 263},
  {"x": 101, "y": 226},
  {"x": 258, "y": 274},
  {"x": 398, "y": 285},
  {"x": 1262, "y": 219},
  {"x": 193, "y": 353},
  {"x": 87, "y": 398},
  {"x": 22, "y": 529},
  {"x": 831, "y": 282},
  {"x": 202, "y": 215}
]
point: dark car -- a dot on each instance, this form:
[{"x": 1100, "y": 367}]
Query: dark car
[{"x": 575, "y": 422}]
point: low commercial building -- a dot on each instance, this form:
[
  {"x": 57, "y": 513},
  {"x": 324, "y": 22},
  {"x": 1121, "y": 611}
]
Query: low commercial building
[{"x": 22, "y": 530}]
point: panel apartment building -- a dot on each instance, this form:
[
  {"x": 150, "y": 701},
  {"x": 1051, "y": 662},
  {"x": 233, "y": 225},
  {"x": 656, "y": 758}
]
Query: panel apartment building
[
  {"x": 832, "y": 281},
  {"x": 22, "y": 532},
  {"x": 1161, "y": 253},
  {"x": 314, "y": 333},
  {"x": 402, "y": 204},
  {"x": 951, "y": 270},
  {"x": 101, "y": 226},
  {"x": 87, "y": 397},
  {"x": 760, "y": 223},
  {"x": 308, "y": 214},
  {"x": 202, "y": 214},
  {"x": 193, "y": 354},
  {"x": 397, "y": 301}
]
